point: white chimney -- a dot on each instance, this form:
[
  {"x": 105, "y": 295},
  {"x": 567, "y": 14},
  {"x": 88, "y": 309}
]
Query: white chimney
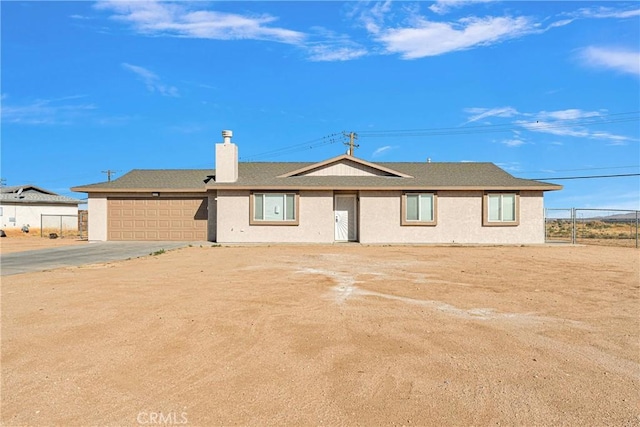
[{"x": 226, "y": 159}]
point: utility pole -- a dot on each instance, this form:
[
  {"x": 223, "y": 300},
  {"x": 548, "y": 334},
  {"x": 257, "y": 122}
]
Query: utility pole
[
  {"x": 109, "y": 172},
  {"x": 352, "y": 137}
]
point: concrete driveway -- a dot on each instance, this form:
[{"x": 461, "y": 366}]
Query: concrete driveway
[{"x": 91, "y": 253}]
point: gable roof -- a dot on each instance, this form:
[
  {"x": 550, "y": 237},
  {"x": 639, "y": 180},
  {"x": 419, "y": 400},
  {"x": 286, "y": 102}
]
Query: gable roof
[
  {"x": 31, "y": 194},
  {"x": 346, "y": 160},
  {"x": 287, "y": 176}
]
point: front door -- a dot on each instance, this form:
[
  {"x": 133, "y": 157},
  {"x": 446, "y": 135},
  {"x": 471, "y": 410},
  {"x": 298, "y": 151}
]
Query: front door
[{"x": 346, "y": 220}]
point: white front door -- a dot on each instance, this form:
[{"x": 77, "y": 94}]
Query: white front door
[{"x": 346, "y": 221}]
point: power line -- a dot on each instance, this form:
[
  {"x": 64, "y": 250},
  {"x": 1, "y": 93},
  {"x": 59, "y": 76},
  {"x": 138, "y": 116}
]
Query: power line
[
  {"x": 586, "y": 177},
  {"x": 506, "y": 127},
  {"x": 584, "y": 169},
  {"x": 631, "y": 116},
  {"x": 318, "y": 142}
]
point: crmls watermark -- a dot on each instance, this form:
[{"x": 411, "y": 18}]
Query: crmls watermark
[{"x": 162, "y": 418}]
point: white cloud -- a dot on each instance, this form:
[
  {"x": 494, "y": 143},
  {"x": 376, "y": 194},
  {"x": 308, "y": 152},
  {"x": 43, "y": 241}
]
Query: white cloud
[
  {"x": 428, "y": 38},
  {"x": 569, "y": 114},
  {"x": 325, "y": 53},
  {"x": 622, "y": 60},
  {"x": 510, "y": 166},
  {"x": 190, "y": 20},
  {"x": 380, "y": 151},
  {"x": 606, "y": 12},
  {"x": 46, "y": 112},
  {"x": 372, "y": 18},
  {"x": 333, "y": 47},
  {"x": 151, "y": 80},
  {"x": 513, "y": 142},
  {"x": 177, "y": 19},
  {"x": 570, "y": 122},
  {"x": 561, "y": 129},
  {"x": 483, "y": 113},
  {"x": 444, "y": 6}
]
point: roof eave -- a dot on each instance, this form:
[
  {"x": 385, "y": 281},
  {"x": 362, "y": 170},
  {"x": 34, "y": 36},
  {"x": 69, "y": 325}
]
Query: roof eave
[
  {"x": 138, "y": 190},
  {"x": 385, "y": 188}
]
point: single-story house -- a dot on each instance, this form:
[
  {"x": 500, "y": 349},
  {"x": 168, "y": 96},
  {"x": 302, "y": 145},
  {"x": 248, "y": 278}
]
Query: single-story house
[
  {"x": 31, "y": 206},
  {"x": 336, "y": 200}
]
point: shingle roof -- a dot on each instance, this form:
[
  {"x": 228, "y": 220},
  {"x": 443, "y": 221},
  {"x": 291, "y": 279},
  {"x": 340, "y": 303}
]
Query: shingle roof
[
  {"x": 263, "y": 175},
  {"x": 154, "y": 180},
  {"x": 32, "y": 195}
]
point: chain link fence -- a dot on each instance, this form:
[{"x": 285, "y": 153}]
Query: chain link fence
[
  {"x": 55, "y": 226},
  {"x": 610, "y": 227}
]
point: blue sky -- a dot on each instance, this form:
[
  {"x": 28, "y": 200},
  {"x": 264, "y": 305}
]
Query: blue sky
[{"x": 543, "y": 89}]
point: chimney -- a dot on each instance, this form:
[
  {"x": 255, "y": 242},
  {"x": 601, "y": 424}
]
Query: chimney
[{"x": 226, "y": 159}]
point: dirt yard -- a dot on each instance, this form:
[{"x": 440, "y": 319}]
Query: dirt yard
[
  {"x": 19, "y": 242},
  {"x": 328, "y": 335}
]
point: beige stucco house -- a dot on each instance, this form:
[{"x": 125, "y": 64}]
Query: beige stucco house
[{"x": 337, "y": 200}]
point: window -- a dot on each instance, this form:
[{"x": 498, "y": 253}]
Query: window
[
  {"x": 274, "y": 209},
  {"x": 501, "y": 209},
  {"x": 419, "y": 209}
]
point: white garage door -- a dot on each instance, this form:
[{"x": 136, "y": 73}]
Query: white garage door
[{"x": 182, "y": 219}]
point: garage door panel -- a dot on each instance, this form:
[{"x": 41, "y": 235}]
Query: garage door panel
[{"x": 157, "y": 219}]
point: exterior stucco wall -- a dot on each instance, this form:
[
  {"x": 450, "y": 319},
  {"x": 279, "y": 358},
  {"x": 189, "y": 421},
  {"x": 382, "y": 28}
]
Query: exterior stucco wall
[
  {"x": 97, "y": 222},
  {"x": 316, "y": 223},
  {"x": 29, "y": 214},
  {"x": 459, "y": 220},
  {"x": 212, "y": 212}
]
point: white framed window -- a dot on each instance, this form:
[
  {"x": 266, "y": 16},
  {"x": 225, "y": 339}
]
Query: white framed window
[
  {"x": 419, "y": 209},
  {"x": 501, "y": 209},
  {"x": 274, "y": 209}
]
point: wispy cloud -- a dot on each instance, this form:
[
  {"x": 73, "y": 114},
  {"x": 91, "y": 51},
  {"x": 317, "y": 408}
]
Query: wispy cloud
[
  {"x": 428, "y": 38},
  {"x": 380, "y": 151},
  {"x": 483, "y": 113},
  {"x": 151, "y": 80},
  {"x": 606, "y": 12},
  {"x": 370, "y": 17},
  {"x": 625, "y": 61},
  {"x": 411, "y": 36},
  {"x": 570, "y": 122},
  {"x": 419, "y": 37},
  {"x": 510, "y": 166},
  {"x": 444, "y": 6},
  {"x": 46, "y": 111},
  {"x": 327, "y": 52},
  {"x": 569, "y": 114},
  {"x": 574, "y": 131},
  {"x": 191, "y": 20},
  {"x": 513, "y": 142},
  {"x": 184, "y": 20},
  {"x": 332, "y": 47}
]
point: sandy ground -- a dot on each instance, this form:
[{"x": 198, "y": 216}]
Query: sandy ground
[
  {"x": 21, "y": 243},
  {"x": 328, "y": 335}
]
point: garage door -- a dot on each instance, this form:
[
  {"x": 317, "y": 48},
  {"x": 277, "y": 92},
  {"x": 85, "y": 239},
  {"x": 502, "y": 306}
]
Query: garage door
[{"x": 157, "y": 219}]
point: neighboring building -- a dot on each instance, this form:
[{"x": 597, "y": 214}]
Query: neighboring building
[
  {"x": 337, "y": 200},
  {"x": 28, "y": 205}
]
